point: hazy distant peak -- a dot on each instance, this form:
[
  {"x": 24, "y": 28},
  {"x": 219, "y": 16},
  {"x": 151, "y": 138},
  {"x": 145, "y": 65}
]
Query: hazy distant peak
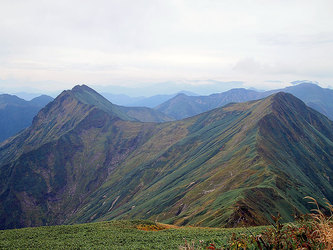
[
  {"x": 181, "y": 94},
  {"x": 41, "y": 100},
  {"x": 308, "y": 84},
  {"x": 238, "y": 89},
  {"x": 298, "y": 82},
  {"x": 11, "y": 99},
  {"x": 188, "y": 93}
]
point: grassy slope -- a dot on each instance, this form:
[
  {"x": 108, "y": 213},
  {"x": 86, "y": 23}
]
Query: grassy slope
[
  {"x": 299, "y": 152},
  {"x": 47, "y": 184},
  {"x": 49, "y": 168},
  {"x": 315, "y": 97},
  {"x": 213, "y": 169},
  {"x": 143, "y": 114},
  {"x": 219, "y": 172},
  {"x": 112, "y": 235},
  {"x": 189, "y": 176}
]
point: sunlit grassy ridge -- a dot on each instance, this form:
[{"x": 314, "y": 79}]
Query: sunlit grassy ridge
[
  {"x": 113, "y": 235},
  {"x": 310, "y": 231},
  {"x": 220, "y": 171},
  {"x": 231, "y": 166}
]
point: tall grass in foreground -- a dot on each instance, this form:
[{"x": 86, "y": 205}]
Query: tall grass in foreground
[
  {"x": 310, "y": 231},
  {"x": 323, "y": 223}
]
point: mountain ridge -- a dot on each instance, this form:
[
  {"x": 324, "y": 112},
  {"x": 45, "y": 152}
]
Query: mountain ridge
[
  {"x": 314, "y": 96},
  {"x": 223, "y": 167},
  {"x": 233, "y": 217}
]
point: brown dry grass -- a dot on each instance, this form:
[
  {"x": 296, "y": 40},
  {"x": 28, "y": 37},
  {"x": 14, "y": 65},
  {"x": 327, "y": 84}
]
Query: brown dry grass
[
  {"x": 324, "y": 223},
  {"x": 154, "y": 227}
]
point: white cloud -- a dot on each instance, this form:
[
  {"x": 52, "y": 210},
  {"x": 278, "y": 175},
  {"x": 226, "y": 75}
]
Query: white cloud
[{"x": 119, "y": 41}]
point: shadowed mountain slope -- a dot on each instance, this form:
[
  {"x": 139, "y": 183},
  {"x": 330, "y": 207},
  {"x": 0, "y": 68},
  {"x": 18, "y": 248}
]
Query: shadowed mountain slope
[
  {"x": 17, "y": 114},
  {"x": 48, "y": 169},
  {"x": 83, "y": 161}
]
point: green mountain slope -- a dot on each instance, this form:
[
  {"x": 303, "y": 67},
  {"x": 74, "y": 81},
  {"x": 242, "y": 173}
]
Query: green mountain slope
[
  {"x": 183, "y": 106},
  {"x": 318, "y": 98},
  {"x": 82, "y": 161},
  {"x": 49, "y": 168},
  {"x": 228, "y": 167},
  {"x": 88, "y": 96},
  {"x": 117, "y": 235}
]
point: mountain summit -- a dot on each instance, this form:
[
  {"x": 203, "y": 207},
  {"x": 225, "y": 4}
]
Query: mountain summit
[
  {"x": 49, "y": 168},
  {"x": 83, "y": 160}
]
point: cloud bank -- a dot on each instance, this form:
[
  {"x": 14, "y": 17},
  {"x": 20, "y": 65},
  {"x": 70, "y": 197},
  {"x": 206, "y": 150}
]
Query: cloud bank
[{"x": 263, "y": 43}]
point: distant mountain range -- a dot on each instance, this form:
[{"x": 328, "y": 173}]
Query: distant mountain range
[
  {"x": 84, "y": 159},
  {"x": 150, "y": 102},
  {"x": 168, "y": 107},
  {"x": 183, "y": 106},
  {"x": 17, "y": 114}
]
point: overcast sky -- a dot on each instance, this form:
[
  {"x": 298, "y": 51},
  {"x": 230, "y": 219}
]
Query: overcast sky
[{"x": 52, "y": 45}]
